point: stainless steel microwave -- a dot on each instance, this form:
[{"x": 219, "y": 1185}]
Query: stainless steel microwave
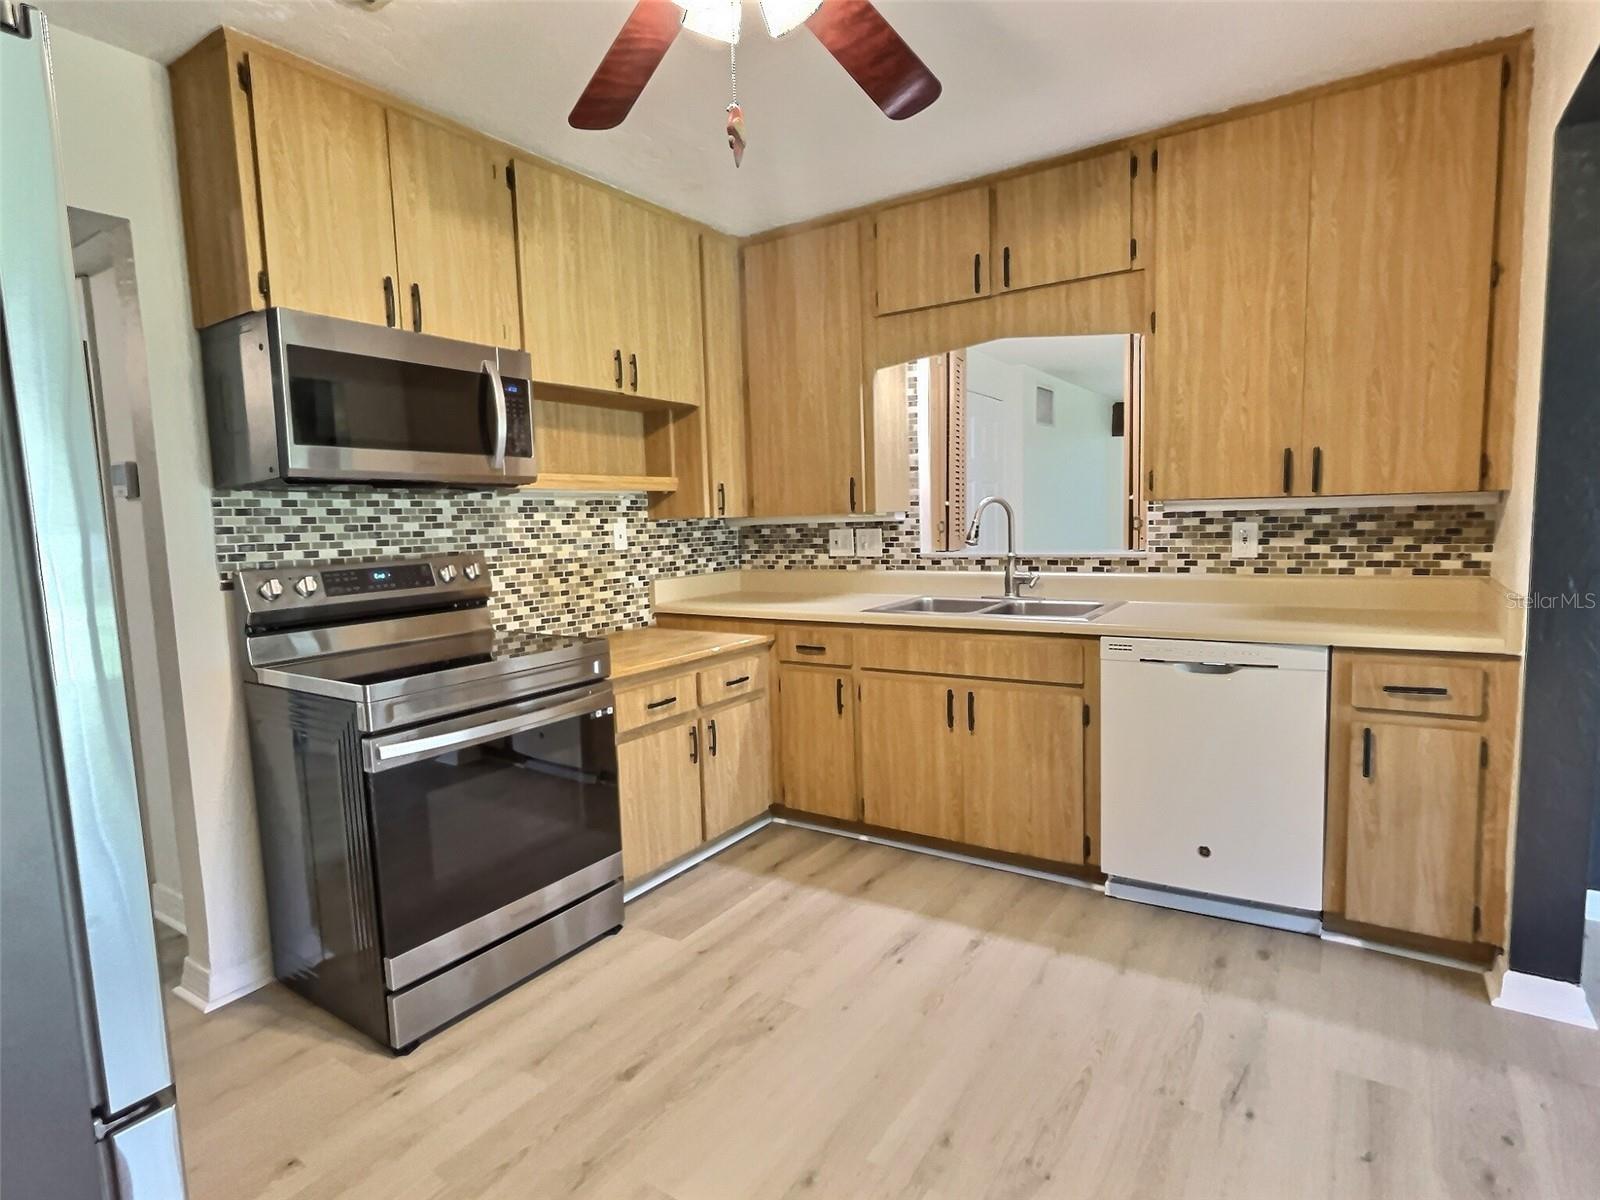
[{"x": 292, "y": 396}]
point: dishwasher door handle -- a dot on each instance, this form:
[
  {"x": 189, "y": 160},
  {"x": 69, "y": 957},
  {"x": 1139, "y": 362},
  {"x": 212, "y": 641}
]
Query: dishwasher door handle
[{"x": 1209, "y": 668}]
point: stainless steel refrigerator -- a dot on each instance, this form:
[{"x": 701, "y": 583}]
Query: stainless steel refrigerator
[{"x": 86, "y": 1097}]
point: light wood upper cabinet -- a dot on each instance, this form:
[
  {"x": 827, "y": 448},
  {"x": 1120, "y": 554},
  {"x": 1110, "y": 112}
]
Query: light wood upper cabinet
[
  {"x": 911, "y": 755},
  {"x": 803, "y": 357},
  {"x": 1024, "y": 777},
  {"x": 1223, "y": 367},
  {"x": 454, "y": 233},
  {"x": 1403, "y": 186},
  {"x": 933, "y": 251},
  {"x": 659, "y": 261},
  {"x": 817, "y": 741},
  {"x": 736, "y": 765},
  {"x": 574, "y": 311},
  {"x": 1412, "y": 840},
  {"x": 1066, "y": 222},
  {"x": 725, "y": 416},
  {"x": 322, "y": 163},
  {"x": 658, "y": 781}
]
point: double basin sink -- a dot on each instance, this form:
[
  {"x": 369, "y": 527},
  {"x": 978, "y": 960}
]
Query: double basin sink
[{"x": 994, "y": 606}]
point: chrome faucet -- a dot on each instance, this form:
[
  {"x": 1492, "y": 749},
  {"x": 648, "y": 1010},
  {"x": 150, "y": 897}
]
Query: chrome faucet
[{"x": 1015, "y": 579}]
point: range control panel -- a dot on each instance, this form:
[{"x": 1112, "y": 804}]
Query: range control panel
[{"x": 445, "y": 577}]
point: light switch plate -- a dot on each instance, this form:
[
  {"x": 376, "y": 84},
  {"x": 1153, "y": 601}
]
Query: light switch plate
[
  {"x": 1246, "y": 539},
  {"x": 869, "y": 543},
  {"x": 841, "y": 543}
]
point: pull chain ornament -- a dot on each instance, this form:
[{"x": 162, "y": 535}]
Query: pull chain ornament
[{"x": 735, "y": 128}]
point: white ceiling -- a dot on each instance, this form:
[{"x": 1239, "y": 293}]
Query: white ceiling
[
  {"x": 1023, "y": 79},
  {"x": 1092, "y": 361}
]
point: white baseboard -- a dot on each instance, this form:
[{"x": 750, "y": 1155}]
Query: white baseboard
[
  {"x": 166, "y": 904},
  {"x": 1540, "y": 997},
  {"x": 207, "y": 990},
  {"x": 1591, "y": 906},
  {"x": 651, "y": 882}
]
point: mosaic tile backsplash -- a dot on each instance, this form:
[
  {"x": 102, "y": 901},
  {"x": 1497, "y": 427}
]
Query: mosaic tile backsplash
[{"x": 553, "y": 559}]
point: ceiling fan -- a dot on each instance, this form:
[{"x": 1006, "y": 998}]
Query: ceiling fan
[{"x": 853, "y": 31}]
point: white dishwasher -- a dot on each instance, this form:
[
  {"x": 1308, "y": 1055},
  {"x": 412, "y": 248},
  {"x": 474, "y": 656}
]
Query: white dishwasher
[{"x": 1213, "y": 772}]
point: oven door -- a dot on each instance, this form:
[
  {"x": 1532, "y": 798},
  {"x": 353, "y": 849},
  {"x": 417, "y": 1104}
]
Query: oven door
[
  {"x": 483, "y": 824},
  {"x": 364, "y": 402}
]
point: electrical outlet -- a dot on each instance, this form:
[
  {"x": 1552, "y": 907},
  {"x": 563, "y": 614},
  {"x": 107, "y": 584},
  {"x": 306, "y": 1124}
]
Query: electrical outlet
[
  {"x": 1246, "y": 539},
  {"x": 841, "y": 543},
  {"x": 869, "y": 543},
  {"x": 619, "y": 534}
]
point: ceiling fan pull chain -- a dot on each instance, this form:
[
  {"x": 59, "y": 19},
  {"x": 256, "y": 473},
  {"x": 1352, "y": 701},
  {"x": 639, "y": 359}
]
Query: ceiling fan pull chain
[{"x": 735, "y": 128}]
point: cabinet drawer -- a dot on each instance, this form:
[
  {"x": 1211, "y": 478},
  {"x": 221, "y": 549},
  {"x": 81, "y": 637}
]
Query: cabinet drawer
[
  {"x": 648, "y": 703},
  {"x": 1047, "y": 659},
  {"x": 824, "y": 646},
  {"x": 1418, "y": 686},
  {"x": 734, "y": 678}
]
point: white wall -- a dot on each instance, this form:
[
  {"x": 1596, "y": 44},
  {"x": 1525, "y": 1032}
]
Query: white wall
[
  {"x": 1566, "y": 37},
  {"x": 115, "y": 116}
]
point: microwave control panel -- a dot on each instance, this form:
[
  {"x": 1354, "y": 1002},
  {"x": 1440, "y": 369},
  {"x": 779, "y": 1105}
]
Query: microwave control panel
[{"x": 519, "y": 419}]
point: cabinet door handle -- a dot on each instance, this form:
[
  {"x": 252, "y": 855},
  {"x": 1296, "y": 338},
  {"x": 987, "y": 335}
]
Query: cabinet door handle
[
  {"x": 852, "y": 493},
  {"x": 633, "y": 371},
  {"x": 416, "y": 307},
  {"x": 838, "y": 695},
  {"x": 977, "y": 273},
  {"x": 1005, "y": 265},
  {"x": 722, "y": 500},
  {"x": 616, "y": 366},
  {"x": 388, "y": 300},
  {"x": 694, "y": 743},
  {"x": 654, "y": 704},
  {"x": 712, "y": 730},
  {"x": 1288, "y": 470},
  {"x": 1400, "y": 689},
  {"x": 950, "y": 708},
  {"x": 972, "y": 713},
  {"x": 1366, "y": 753},
  {"x": 1316, "y": 468}
]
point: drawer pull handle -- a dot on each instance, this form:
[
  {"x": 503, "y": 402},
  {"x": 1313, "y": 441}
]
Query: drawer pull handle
[
  {"x": 809, "y": 648},
  {"x": 1400, "y": 689},
  {"x": 654, "y": 704},
  {"x": 736, "y": 681}
]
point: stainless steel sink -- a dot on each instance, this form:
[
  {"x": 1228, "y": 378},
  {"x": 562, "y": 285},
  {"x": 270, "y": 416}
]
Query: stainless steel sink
[
  {"x": 1050, "y": 610},
  {"x": 936, "y": 604}
]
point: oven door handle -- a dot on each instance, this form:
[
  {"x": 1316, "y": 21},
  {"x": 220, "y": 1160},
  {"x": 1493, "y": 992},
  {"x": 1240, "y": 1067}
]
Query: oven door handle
[
  {"x": 396, "y": 750},
  {"x": 498, "y": 459}
]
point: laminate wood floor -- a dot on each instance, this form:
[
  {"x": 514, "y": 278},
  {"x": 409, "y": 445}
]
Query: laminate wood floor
[{"x": 810, "y": 1016}]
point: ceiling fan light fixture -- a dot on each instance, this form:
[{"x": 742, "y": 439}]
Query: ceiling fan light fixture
[
  {"x": 715, "y": 19},
  {"x": 785, "y": 16}
]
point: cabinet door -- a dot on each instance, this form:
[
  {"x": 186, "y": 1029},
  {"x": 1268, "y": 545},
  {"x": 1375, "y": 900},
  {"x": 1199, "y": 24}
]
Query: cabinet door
[
  {"x": 1222, "y": 386},
  {"x": 736, "y": 779},
  {"x": 817, "y": 741},
  {"x": 804, "y": 361},
  {"x": 934, "y": 251},
  {"x": 1023, "y": 769},
  {"x": 573, "y": 319},
  {"x": 658, "y": 776},
  {"x": 327, "y": 217},
  {"x": 660, "y": 257},
  {"x": 724, "y": 407},
  {"x": 454, "y": 233},
  {"x": 1066, "y": 222},
  {"x": 1403, "y": 186},
  {"x": 1412, "y": 833},
  {"x": 911, "y": 754}
]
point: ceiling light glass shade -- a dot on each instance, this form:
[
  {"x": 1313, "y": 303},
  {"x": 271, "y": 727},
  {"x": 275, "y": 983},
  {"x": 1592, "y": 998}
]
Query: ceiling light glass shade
[
  {"x": 784, "y": 16},
  {"x": 717, "y": 19}
]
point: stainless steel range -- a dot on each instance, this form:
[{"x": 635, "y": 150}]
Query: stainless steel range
[{"x": 438, "y": 802}]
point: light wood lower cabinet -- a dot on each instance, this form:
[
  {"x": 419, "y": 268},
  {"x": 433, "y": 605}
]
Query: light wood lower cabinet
[
  {"x": 736, "y": 770},
  {"x": 817, "y": 733},
  {"x": 912, "y": 756},
  {"x": 658, "y": 774}
]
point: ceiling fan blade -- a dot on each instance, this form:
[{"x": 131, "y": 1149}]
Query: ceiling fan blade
[
  {"x": 875, "y": 56},
  {"x": 628, "y": 65}
]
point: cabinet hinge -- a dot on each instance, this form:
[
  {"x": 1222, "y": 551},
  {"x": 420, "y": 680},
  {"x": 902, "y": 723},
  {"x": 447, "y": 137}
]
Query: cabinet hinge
[
  {"x": 511, "y": 177},
  {"x": 1088, "y": 848},
  {"x": 243, "y": 71},
  {"x": 1494, "y": 274},
  {"x": 1505, "y": 72},
  {"x": 1133, "y": 248},
  {"x": 1133, "y": 167},
  {"x": 1152, "y": 322},
  {"x": 1086, "y": 711},
  {"x": 1155, "y": 161},
  {"x": 1483, "y": 752},
  {"x": 261, "y": 284}
]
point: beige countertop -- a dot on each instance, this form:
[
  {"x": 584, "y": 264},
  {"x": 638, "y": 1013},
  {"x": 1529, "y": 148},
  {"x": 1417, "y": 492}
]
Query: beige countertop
[
  {"x": 1461, "y": 615},
  {"x": 636, "y": 652}
]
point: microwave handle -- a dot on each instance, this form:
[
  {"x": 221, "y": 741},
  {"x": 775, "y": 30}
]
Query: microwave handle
[
  {"x": 402, "y": 748},
  {"x": 498, "y": 458}
]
